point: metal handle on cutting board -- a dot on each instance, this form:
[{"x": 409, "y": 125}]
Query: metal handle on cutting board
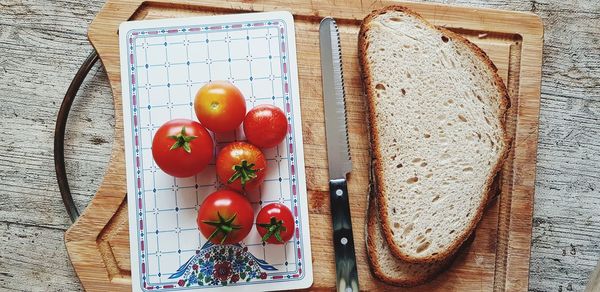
[{"x": 59, "y": 135}]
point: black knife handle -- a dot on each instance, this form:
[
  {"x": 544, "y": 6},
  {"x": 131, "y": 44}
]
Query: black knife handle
[{"x": 343, "y": 241}]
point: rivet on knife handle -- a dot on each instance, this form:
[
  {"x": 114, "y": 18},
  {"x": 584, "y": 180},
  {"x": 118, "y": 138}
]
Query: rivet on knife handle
[{"x": 338, "y": 155}]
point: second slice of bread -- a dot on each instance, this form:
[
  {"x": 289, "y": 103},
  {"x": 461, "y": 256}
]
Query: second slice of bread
[
  {"x": 388, "y": 268},
  {"x": 436, "y": 114}
]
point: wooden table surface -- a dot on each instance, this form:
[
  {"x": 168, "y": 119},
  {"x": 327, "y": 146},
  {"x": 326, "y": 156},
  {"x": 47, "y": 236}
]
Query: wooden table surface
[{"x": 42, "y": 44}]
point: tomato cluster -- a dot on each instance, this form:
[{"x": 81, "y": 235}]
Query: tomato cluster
[{"x": 184, "y": 148}]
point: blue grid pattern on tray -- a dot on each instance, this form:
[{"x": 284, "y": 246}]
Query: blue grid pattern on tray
[{"x": 162, "y": 79}]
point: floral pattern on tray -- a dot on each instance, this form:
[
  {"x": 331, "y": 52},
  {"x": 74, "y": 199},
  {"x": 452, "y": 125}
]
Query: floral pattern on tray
[{"x": 221, "y": 265}]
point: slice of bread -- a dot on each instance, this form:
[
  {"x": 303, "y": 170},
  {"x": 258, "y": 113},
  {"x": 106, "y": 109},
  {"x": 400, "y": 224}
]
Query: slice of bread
[
  {"x": 436, "y": 114},
  {"x": 388, "y": 268}
]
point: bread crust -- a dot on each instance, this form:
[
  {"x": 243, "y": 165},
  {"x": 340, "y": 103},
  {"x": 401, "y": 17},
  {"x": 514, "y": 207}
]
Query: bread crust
[{"x": 379, "y": 183}]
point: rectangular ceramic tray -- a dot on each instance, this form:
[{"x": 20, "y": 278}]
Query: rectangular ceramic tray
[{"x": 166, "y": 62}]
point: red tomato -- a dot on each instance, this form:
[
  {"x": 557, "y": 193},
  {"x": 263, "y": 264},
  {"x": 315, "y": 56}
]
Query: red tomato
[
  {"x": 225, "y": 217},
  {"x": 220, "y": 106},
  {"x": 182, "y": 147},
  {"x": 241, "y": 166},
  {"x": 265, "y": 126},
  {"x": 275, "y": 223}
]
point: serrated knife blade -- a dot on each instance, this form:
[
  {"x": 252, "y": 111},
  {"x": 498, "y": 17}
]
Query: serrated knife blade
[
  {"x": 338, "y": 155},
  {"x": 336, "y": 128}
]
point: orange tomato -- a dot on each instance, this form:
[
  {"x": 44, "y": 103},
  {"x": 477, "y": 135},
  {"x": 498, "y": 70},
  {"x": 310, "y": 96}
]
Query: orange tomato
[{"x": 220, "y": 106}]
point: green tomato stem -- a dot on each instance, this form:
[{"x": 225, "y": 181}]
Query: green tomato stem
[
  {"x": 222, "y": 226},
  {"x": 182, "y": 140},
  {"x": 274, "y": 228},
  {"x": 245, "y": 172}
]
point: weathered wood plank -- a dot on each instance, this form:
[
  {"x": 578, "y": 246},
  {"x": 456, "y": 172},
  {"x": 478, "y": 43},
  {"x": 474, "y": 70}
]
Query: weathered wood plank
[
  {"x": 567, "y": 205},
  {"x": 41, "y": 48},
  {"x": 566, "y": 237},
  {"x": 34, "y": 258},
  {"x": 566, "y": 233}
]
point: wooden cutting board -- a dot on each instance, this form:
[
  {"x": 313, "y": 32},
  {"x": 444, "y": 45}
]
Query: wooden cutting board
[{"x": 498, "y": 256}]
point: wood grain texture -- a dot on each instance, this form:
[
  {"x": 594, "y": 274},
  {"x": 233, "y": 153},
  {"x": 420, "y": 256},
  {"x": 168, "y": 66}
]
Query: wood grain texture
[
  {"x": 500, "y": 250},
  {"x": 566, "y": 236}
]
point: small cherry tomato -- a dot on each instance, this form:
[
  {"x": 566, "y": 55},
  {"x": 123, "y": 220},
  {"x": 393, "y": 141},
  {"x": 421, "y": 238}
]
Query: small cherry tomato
[
  {"x": 220, "y": 106},
  {"x": 225, "y": 217},
  {"x": 241, "y": 166},
  {"x": 182, "y": 148},
  {"x": 265, "y": 126},
  {"x": 275, "y": 223}
]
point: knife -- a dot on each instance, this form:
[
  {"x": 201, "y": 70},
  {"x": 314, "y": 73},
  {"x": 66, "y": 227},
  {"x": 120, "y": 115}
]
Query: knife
[{"x": 338, "y": 154}]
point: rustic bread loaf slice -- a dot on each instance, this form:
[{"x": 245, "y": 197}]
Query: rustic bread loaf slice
[
  {"x": 388, "y": 268},
  {"x": 436, "y": 114}
]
